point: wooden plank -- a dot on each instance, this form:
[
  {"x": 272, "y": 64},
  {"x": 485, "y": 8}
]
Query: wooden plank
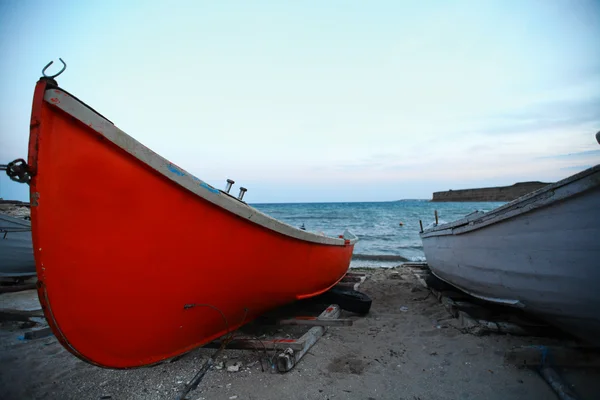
[
  {"x": 474, "y": 310},
  {"x": 352, "y": 279},
  {"x": 350, "y": 285},
  {"x": 504, "y": 327},
  {"x": 417, "y": 265},
  {"x": 17, "y": 288},
  {"x": 466, "y": 321},
  {"x": 355, "y": 274},
  {"x": 289, "y": 358},
  {"x": 38, "y": 333},
  {"x": 557, "y": 384},
  {"x": 534, "y": 356},
  {"x": 450, "y": 306},
  {"x": 346, "y": 285},
  {"x": 420, "y": 275},
  {"x": 258, "y": 344},
  {"x": 315, "y": 321},
  {"x": 8, "y": 314}
]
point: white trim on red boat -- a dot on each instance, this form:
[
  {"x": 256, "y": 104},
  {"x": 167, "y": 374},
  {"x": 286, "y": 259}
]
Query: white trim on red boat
[{"x": 84, "y": 114}]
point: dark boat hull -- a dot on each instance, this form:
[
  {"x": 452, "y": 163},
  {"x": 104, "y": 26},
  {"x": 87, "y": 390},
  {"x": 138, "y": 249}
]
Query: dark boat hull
[{"x": 16, "y": 249}]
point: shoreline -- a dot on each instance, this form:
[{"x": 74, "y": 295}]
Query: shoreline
[{"x": 407, "y": 347}]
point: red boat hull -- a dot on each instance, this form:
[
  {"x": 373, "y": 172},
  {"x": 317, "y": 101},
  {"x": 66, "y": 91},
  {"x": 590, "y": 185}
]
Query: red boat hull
[{"x": 133, "y": 267}]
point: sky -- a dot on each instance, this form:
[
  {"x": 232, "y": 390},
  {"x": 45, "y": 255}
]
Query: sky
[{"x": 322, "y": 101}]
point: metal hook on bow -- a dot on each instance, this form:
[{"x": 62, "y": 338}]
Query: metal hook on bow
[{"x": 58, "y": 73}]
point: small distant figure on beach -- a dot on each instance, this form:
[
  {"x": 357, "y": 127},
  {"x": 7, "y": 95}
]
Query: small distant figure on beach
[{"x": 303, "y": 227}]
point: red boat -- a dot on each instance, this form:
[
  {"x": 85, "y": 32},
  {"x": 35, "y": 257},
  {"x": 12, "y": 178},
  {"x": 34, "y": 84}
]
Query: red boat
[{"x": 139, "y": 261}]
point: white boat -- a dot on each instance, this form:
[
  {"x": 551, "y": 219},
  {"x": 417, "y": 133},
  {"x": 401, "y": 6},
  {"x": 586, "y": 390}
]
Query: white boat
[
  {"x": 540, "y": 252},
  {"x": 16, "y": 250}
]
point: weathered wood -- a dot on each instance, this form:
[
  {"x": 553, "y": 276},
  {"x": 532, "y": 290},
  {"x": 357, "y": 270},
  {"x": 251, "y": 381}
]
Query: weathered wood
[
  {"x": 481, "y": 326},
  {"x": 466, "y": 321},
  {"x": 504, "y": 327},
  {"x": 557, "y": 384},
  {"x": 314, "y": 321},
  {"x": 258, "y": 344},
  {"x": 349, "y": 285},
  {"x": 534, "y": 356},
  {"x": 193, "y": 384},
  {"x": 351, "y": 278},
  {"x": 450, "y": 306},
  {"x": 16, "y": 288},
  {"x": 419, "y": 265},
  {"x": 419, "y": 274},
  {"x": 355, "y": 274},
  {"x": 38, "y": 333},
  {"x": 289, "y": 358},
  {"x": 19, "y": 315}
]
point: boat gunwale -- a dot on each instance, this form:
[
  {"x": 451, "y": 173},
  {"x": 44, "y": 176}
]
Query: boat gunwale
[
  {"x": 537, "y": 199},
  {"x": 57, "y": 97}
]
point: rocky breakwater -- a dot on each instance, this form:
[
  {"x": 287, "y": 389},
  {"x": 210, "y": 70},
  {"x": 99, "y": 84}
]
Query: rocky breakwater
[{"x": 498, "y": 193}]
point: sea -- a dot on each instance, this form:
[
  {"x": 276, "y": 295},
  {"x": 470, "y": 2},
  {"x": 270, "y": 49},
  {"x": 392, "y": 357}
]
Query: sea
[{"x": 389, "y": 229}]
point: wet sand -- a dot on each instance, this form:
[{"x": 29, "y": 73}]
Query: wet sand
[{"x": 407, "y": 347}]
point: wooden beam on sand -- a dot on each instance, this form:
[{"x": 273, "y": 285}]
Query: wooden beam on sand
[
  {"x": 561, "y": 389},
  {"x": 17, "y": 288},
  {"x": 289, "y": 358},
  {"x": 315, "y": 321},
  {"x": 417, "y": 265},
  {"x": 38, "y": 333},
  {"x": 558, "y": 356},
  {"x": 7, "y": 314},
  {"x": 352, "y": 278},
  {"x": 258, "y": 344}
]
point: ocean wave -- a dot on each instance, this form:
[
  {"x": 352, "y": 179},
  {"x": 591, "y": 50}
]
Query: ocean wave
[
  {"x": 379, "y": 257},
  {"x": 312, "y": 217},
  {"x": 413, "y": 246},
  {"x": 398, "y": 242}
]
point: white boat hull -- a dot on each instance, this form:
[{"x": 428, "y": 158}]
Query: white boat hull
[
  {"x": 16, "y": 250},
  {"x": 540, "y": 253}
]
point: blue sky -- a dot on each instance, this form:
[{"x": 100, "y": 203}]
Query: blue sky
[{"x": 323, "y": 101}]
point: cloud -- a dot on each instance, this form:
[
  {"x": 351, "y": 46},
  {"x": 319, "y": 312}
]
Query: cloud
[
  {"x": 576, "y": 168},
  {"x": 580, "y": 154},
  {"x": 539, "y": 116}
]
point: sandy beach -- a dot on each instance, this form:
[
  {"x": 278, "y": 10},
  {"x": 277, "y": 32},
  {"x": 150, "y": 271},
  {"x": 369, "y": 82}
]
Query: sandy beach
[{"x": 407, "y": 347}]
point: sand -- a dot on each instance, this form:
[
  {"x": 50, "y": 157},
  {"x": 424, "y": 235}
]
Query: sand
[{"x": 408, "y": 347}]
